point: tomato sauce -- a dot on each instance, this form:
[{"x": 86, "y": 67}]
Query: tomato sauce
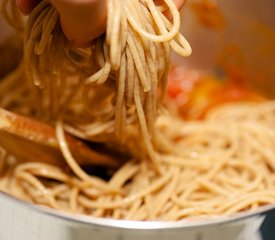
[
  {"x": 208, "y": 14},
  {"x": 192, "y": 94}
]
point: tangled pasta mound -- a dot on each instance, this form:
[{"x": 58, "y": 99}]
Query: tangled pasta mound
[{"x": 112, "y": 94}]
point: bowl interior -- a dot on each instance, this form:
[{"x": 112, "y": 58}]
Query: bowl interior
[
  {"x": 243, "y": 36},
  {"x": 246, "y": 40}
]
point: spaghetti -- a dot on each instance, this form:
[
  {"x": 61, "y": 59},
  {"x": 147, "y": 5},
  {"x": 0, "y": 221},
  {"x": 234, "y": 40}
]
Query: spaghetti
[
  {"x": 219, "y": 166},
  {"x": 110, "y": 94},
  {"x": 130, "y": 64}
]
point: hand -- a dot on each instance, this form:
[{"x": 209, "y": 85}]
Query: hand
[
  {"x": 81, "y": 20},
  {"x": 179, "y": 3}
]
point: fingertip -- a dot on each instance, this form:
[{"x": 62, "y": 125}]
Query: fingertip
[
  {"x": 26, "y": 6},
  {"x": 180, "y": 3},
  {"x": 82, "y": 23},
  {"x": 21, "y": 6},
  {"x": 74, "y": 38}
]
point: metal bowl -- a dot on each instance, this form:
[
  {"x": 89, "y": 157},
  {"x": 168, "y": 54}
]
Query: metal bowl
[
  {"x": 20, "y": 220},
  {"x": 249, "y": 25}
]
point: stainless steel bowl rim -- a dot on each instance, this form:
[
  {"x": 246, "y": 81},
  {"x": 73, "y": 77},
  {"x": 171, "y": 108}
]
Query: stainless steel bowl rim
[{"x": 137, "y": 225}]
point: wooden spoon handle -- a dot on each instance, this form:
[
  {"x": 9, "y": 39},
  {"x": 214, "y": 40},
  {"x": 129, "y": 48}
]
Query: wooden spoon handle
[{"x": 25, "y": 130}]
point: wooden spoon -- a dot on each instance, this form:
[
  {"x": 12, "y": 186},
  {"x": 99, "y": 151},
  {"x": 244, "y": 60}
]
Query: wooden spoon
[{"x": 31, "y": 140}]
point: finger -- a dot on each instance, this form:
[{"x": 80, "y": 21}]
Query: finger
[
  {"x": 26, "y": 6},
  {"x": 179, "y": 3},
  {"x": 82, "y": 20}
]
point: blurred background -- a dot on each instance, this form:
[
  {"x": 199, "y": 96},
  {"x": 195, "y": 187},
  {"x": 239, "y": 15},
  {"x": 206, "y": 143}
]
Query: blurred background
[{"x": 232, "y": 34}]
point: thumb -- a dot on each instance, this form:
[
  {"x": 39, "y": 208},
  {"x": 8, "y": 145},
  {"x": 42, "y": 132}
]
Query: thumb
[
  {"x": 82, "y": 20},
  {"x": 26, "y": 6}
]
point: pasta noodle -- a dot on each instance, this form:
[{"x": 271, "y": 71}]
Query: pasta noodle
[
  {"x": 214, "y": 170},
  {"x": 112, "y": 93}
]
